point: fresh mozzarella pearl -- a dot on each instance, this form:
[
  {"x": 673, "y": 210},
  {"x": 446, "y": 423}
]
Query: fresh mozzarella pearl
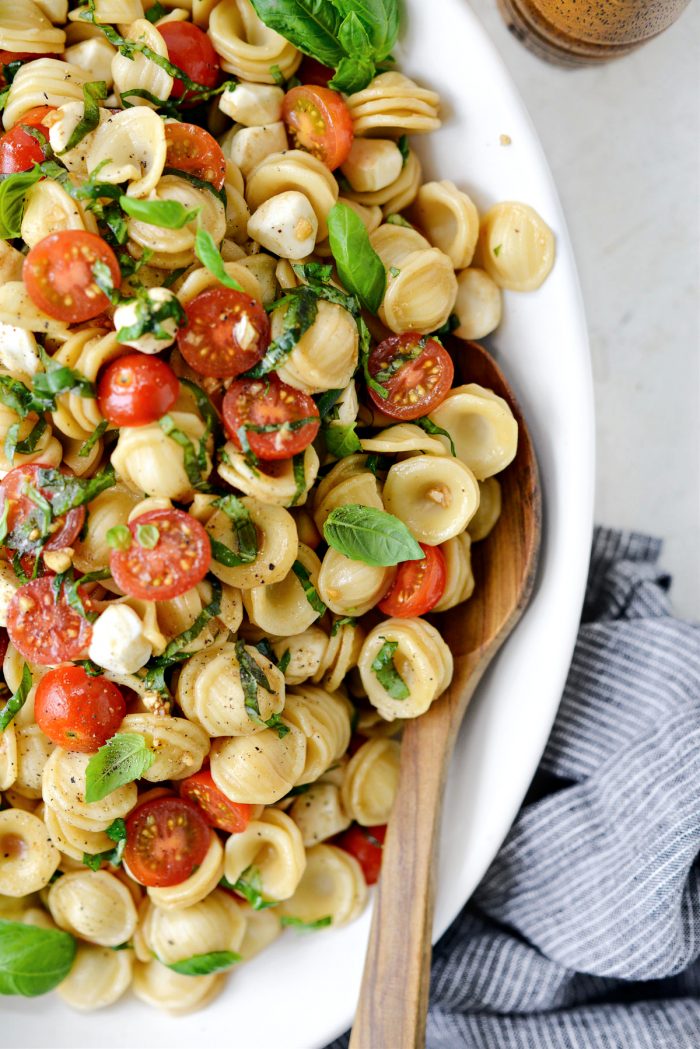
[
  {"x": 285, "y": 224},
  {"x": 117, "y": 642},
  {"x": 253, "y": 104}
]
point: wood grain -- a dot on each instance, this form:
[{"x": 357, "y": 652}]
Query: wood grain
[{"x": 396, "y": 981}]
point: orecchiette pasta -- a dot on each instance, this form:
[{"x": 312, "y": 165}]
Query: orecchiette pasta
[
  {"x": 46, "y": 81},
  {"x": 421, "y": 658},
  {"x": 478, "y": 306},
  {"x": 137, "y": 72},
  {"x": 460, "y": 579},
  {"x": 156, "y": 984},
  {"x": 33, "y": 751},
  {"x": 351, "y": 588},
  {"x": 63, "y": 789},
  {"x": 325, "y": 357},
  {"x": 180, "y": 746},
  {"x": 129, "y": 147},
  {"x": 436, "y": 496},
  {"x": 247, "y": 47},
  {"x": 393, "y": 104},
  {"x": 259, "y": 769},
  {"x": 25, "y": 28},
  {"x": 294, "y": 170},
  {"x": 27, "y": 856},
  {"x": 319, "y": 814},
  {"x": 276, "y": 483},
  {"x": 216, "y": 923},
  {"x": 489, "y": 511},
  {"x": 262, "y": 928},
  {"x": 449, "y": 220},
  {"x": 324, "y": 719},
  {"x": 482, "y": 426},
  {"x": 517, "y": 246},
  {"x": 371, "y": 781},
  {"x": 284, "y": 607},
  {"x": 93, "y": 905},
  {"x": 272, "y": 845},
  {"x": 332, "y": 886},
  {"x": 193, "y": 889},
  {"x": 150, "y": 461},
  {"x": 276, "y": 547},
  {"x": 99, "y": 976}
]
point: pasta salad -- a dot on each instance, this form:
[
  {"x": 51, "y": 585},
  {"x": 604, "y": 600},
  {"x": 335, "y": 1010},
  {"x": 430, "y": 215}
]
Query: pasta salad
[{"x": 239, "y": 470}]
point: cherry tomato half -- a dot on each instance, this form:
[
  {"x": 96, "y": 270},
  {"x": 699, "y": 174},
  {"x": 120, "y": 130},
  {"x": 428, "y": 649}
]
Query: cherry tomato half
[
  {"x": 58, "y": 274},
  {"x": 291, "y": 415},
  {"x": 192, "y": 149},
  {"x": 166, "y": 839},
  {"x": 227, "y": 333},
  {"x": 177, "y": 562},
  {"x": 319, "y": 121},
  {"x": 417, "y": 586},
  {"x": 415, "y": 371},
  {"x": 4, "y": 642},
  {"x": 45, "y": 629},
  {"x": 365, "y": 844},
  {"x": 219, "y": 811},
  {"x": 136, "y": 390},
  {"x": 76, "y": 711},
  {"x": 191, "y": 50},
  {"x": 15, "y": 489},
  {"x": 19, "y": 151}
]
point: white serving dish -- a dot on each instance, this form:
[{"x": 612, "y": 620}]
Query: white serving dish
[{"x": 301, "y": 993}]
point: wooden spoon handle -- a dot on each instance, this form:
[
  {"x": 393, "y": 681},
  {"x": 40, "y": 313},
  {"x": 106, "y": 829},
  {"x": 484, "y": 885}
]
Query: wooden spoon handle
[{"x": 393, "y": 1000}]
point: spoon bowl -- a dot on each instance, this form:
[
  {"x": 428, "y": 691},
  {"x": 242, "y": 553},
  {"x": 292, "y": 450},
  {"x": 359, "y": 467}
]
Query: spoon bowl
[{"x": 396, "y": 981}]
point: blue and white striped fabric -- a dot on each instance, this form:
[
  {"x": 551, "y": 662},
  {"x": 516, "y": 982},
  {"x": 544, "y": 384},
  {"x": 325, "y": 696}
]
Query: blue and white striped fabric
[{"x": 585, "y": 932}]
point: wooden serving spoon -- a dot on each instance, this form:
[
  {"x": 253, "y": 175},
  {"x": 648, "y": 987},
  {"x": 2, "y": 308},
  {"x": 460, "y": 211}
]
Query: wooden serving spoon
[{"x": 393, "y": 1000}]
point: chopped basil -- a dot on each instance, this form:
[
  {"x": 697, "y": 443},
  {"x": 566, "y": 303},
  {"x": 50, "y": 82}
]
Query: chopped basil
[
  {"x": 156, "y": 12},
  {"x": 194, "y": 459},
  {"x": 13, "y": 191},
  {"x": 298, "y": 923},
  {"x": 117, "y": 832},
  {"x": 200, "y": 183},
  {"x": 59, "y": 378},
  {"x": 124, "y": 758},
  {"x": 497, "y": 250},
  {"x": 359, "y": 267},
  {"x": 67, "y": 582},
  {"x": 147, "y": 536},
  {"x": 176, "y": 650},
  {"x": 244, "y": 531},
  {"x": 252, "y": 677},
  {"x": 404, "y": 148},
  {"x": 93, "y": 93},
  {"x": 17, "y": 700},
  {"x": 277, "y": 724},
  {"x": 285, "y": 660},
  {"x": 13, "y": 445},
  {"x": 67, "y": 493},
  {"x": 341, "y": 440},
  {"x": 340, "y": 623},
  {"x": 386, "y": 673},
  {"x": 326, "y": 401},
  {"x": 372, "y": 536},
  {"x": 249, "y": 886},
  {"x": 209, "y": 255},
  {"x": 427, "y": 424},
  {"x": 168, "y": 214},
  {"x": 398, "y": 220},
  {"x": 87, "y": 446},
  {"x": 150, "y": 317},
  {"x": 118, "y": 537},
  {"x": 302, "y": 307},
  {"x": 447, "y": 328},
  {"x": 204, "y": 964},
  {"x": 299, "y": 471},
  {"x": 308, "y": 587},
  {"x": 33, "y": 960}
]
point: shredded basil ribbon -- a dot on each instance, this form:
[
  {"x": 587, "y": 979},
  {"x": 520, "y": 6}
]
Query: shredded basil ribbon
[
  {"x": 17, "y": 699},
  {"x": 175, "y": 651},
  {"x": 387, "y": 675}
]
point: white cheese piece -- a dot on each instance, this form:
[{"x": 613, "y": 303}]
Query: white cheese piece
[
  {"x": 129, "y": 313},
  {"x": 372, "y": 164},
  {"x": 8, "y": 586},
  {"x": 253, "y": 104},
  {"x": 285, "y": 224},
  {"x": 18, "y": 350},
  {"x": 248, "y": 146},
  {"x": 117, "y": 642}
]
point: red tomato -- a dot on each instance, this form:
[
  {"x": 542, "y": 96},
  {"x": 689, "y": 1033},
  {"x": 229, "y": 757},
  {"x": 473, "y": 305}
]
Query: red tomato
[
  {"x": 16, "y": 487},
  {"x": 231, "y": 816},
  {"x": 178, "y": 561},
  {"x": 136, "y": 389},
  {"x": 417, "y": 586},
  {"x": 416, "y": 372},
  {"x": 58, "y": 274},
  {"x": 19, "y": 151},
  {"x": 46, "y": 630},
  {"x": 191, "y": 50},
  {"x": 4, "y": 642},
  {"x": 312, "y": 72},
  {"x": 267, "y": 402},
  {"x": 227, "y": 333},
  {"x": 7, "y": 58},
  {"x": 319, "y": 121},
  {"x": 193, "y": 150},
  {"x": 166, "y": 840},
  {"x": 76, "y": 711},
  {"x": 365, "y": 844}
]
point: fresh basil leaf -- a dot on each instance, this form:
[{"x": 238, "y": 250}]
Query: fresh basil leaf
[
  {"x": 13, "y": 445},
  {"x": 243, "y": 529},
  {"x": 359, "y": 267},
  {"x": 117, "y": 832},
  {"x": 299, "y": 477},
  {"x": 285, "y": 660},
  {"x": 203, "y": 964},
  {"x": 13, "y": 191},
  {"x": 156, "y": 12},
  {"x": 308, "y": 587},
  {"x": 314, "y": 271},
  {"x": 372, "y": 536},
  {"x": 194, "y": 459},
  {"x": 124, "y": 758},
  {"x": 209, "y": 255},
  {"x": 326, "y": 401},
  {"x": 404, "y": 148},
  {"x": 147, "y": 536},
  {"x": 386, "y": 673},
  {"x": 341, "y": 440},
  {"x": 381, "y": 20},
  {"x": 59, "y": 378},
  {"x": 252, "y": 677},
  {"x": 33, "y": 960},
  {"x": 311, "y": 25},
  {"x": 352, "y": 74},
  {"x": 150, "y": 317},
  {"x": 354, "y": 38},
  {"x": 249, "y": 886},
  {"x": 118, "y": 537},
  {"x": 427, "y": 424},
  {"x": 297, "y": 923},
  {"x": 168, "y": 214},
  {"x": 199, "y": 183},
  {"x": 70, "y": 589},
  {"x": 302, "y": 308},
  {"x": 17, "y": 700},
  {"x": 338, "y": 624},
  {"x": 87, "y": 446},
  {"x": 93, "y": 93},
  {"x": 176, "y": 650},
  {"x": 67, "y": 493}
]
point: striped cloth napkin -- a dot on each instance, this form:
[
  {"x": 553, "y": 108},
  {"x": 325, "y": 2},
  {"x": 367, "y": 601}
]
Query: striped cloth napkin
[{"x": 585, "y": 931}]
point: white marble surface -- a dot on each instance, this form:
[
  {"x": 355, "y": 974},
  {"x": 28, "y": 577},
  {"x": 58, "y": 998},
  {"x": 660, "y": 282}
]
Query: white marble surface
[{"x": 622, "y": 141}]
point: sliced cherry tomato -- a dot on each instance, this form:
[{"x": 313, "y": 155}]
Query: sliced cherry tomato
[
  {"x": 191, "y": 50},
  {"x": 227, "y": 333},
  {"x": 4, "y": 642},
  {"x": 76, "y": 711},
  {"x": 415, "y": 371},
  {"x": 166, "y": 840},
  {"x": 177, "y": 562},
  {"x": 17, "y": 487},
  {"x": 319, "y": 121},
  {"x": 417, "y": 586},
  {"x": 20, "y": 151},
  {"x": 231, "y": 816},
  {"x": 136, "y": 390},
  {"x": 58, "y": 274},
  {"x": 44, "y": 628},
  {"x": 193, "y": 150},
  {"x": 312, "y": 72},
  {"x": 365, "y": 844},
  {"x": 289, "y": 416}
]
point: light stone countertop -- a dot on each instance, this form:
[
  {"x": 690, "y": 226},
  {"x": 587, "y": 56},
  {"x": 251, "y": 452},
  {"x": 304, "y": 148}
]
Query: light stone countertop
[{"x": 622, "y": 140}]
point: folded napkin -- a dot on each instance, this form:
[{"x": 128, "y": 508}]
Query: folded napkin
[{"x": 585, "y": 931}]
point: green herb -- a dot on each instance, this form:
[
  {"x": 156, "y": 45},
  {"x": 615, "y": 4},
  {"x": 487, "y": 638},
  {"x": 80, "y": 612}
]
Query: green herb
[
  {"x": 252, "y": 677},
  {"x": 17, "y": 700},
  {"x": 194, "y": 459},
  {"x": 124, "y": 758},
  {"x": 117, "y": 832},
  {"x": 315, "y": 271},
  {"x": 243, "y": 529},
  {"x": 118, "y": 537},
  {"x": 299, "y": 471},
  {"x": 3, "y": 520},
  {"x": 447, "y": 328},
  {"x": 209, "y": 255},
  {"x": 298, "y": 923},
  {"x": 147, "y": 536},
  {"x": 168, "y": 214},
  {"x": 13, "y": 191},
  {"x": 11, "y": 69},
  {"x": 404, "y": 148},
  {"x": 302, "y": 788},
  {"x": 93, "y": 93},
  {"x": 340, "y": 623},
  {"x": 372, "y": 536},
  {"x": 278, "y": 76},
  {"x": 87, "y": 446},
  {"x": 394, "y": 271},
  {"x": 386, "y": 673},
  {"x": 26, "y": 446},
  {"x": 497, "y": 250},
  {"x": 326, "y": 401},
  {"x": 432, "y": 428},
  {"x": 176, "y": 650},
  {"x": 308, "y": 587},
  {"x": 90, "y": 668},
  {"x": 156, "y": 12},
  {"x": 302, "y": 307},
  {"x": 249, "y": 886},
  {"x": 33, "y": 960},
  {"x": 285, "y": 660},
  {"x": 359, "y": 267},
  {"x": 404, "y": 356},
  {"x": 276, "y": 723},
  {"x": 199, "y": 183},
  {"x": 67, "y": 493},
  {"x": 398, "y": 220},
  {"x": 203, "y": 964},
  {"x": 341, "y": 440},
  {"x": 71, "y": 594},
  {"x": 150, "y": 317},
  {"x": 59, "y": 378}
]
